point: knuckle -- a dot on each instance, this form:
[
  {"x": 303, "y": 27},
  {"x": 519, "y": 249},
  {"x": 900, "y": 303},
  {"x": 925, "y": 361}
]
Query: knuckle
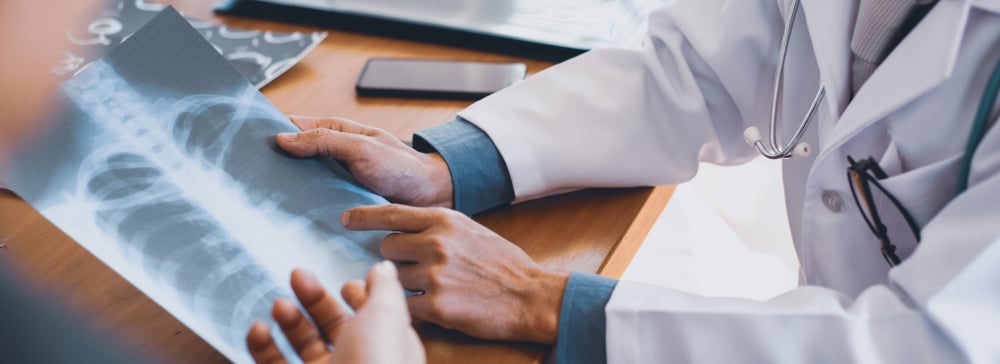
[
  {"x": 329, "y": 123},
  {"x": 438, "y": 256},
  {"x": 371, "y": 130},
  {"x": 451, "y": 217},
  {"x": 396, "y": 209},
  {"x": 333, "y": 123},
  {"x": 437, "y": 249},
  {"x": 316, "y": 139},
  {"x": 315, "y": 134},
  {"x": 434, "y": 280},
  {"x": 440, "y": 216},
  {"x": 340, "y": 121},
  {"x": 392, "y": 214},
  {"x": 440, "y": 211},
  {"x": 365, "y": 147}
]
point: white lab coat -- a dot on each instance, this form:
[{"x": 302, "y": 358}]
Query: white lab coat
[{"x": 620, "y": 117}]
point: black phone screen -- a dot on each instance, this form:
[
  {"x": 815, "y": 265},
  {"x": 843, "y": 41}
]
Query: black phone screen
[{"x": 436, "y": 79}]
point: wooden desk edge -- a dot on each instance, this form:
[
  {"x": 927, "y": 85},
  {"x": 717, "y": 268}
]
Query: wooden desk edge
[{"x": 622, "y": 253}]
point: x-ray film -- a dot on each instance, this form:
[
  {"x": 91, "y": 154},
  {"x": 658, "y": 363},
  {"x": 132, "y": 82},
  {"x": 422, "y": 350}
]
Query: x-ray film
[
  {"x": 163, "y": 165},
  {"x": 260, "y": 56}
]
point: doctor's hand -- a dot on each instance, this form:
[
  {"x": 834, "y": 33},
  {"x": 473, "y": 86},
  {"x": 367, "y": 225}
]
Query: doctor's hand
[
  {"x": 379, "y": 332},
  {"x": 378, "y": 159},
  {"x": 473, "y": 280}
]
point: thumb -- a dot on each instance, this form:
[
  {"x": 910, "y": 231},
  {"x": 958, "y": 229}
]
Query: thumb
[
  {"x": 322, "y": 142},
  {"x": 384, "y": 289}
]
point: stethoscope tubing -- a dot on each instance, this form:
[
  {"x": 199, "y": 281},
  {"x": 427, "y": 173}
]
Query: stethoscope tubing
[
  {"x": 979, "y": 126},
  {"x": 785, "y": 151}
]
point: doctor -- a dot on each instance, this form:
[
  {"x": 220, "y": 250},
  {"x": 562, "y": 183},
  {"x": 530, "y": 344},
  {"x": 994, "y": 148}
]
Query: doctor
[{"x": 893, "y": 206}]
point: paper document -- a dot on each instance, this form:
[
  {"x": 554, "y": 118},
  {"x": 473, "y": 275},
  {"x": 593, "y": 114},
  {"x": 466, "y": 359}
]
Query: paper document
[{"x": 163, "y": 165}]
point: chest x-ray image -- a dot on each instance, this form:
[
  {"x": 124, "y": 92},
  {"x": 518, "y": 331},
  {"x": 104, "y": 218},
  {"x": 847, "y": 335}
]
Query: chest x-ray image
[
  {"x": 163, "y": 165},
  {"x": 261, "y": 56}
]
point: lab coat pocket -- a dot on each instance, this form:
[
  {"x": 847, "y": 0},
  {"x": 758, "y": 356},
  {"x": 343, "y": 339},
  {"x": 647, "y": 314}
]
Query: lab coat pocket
[
  {"x": 922, "y": 192},
  {"x": 890, "y": 162}
]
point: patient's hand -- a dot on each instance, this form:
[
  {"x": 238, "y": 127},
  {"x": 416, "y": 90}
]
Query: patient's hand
[
  {"x": 376, "y": 158},
  {"x": 379, "y": 332}
]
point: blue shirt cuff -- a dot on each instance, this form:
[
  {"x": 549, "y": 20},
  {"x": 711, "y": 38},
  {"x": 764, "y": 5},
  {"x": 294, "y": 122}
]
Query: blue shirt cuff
[
  {"x": 582, "y": 325},
  {"x": 479, "y": 175}
]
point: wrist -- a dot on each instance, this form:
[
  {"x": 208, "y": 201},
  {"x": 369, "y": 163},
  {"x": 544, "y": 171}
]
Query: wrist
[
  {"x": 441, "y": 190},
  {"x": 542, "y": 319}
]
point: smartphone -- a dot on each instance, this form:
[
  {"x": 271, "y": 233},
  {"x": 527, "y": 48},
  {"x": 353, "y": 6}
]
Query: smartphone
[{"x": 436, "y": 79}]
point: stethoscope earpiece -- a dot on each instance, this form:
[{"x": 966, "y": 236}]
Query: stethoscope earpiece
[
  {"x": 801, "y": 150},
  {"x": 752, "y": 135}
]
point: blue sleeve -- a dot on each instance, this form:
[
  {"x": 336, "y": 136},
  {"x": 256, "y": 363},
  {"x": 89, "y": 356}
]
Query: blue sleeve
[
  {"x": 478, "y": 173},
  {"x": 582, "y": 325}
]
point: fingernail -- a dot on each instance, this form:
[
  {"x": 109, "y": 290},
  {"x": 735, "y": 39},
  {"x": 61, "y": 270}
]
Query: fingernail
[
  {"x": 345, "y": 218},
  {"x": 289, "y": 137}
]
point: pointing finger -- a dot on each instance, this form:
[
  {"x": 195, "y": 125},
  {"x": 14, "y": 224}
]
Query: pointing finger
[{"x": 393, "y": 217}]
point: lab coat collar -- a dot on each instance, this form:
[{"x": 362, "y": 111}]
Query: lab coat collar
[{"x": 924, "y": 59}]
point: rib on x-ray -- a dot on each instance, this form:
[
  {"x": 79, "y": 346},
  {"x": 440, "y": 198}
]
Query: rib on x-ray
[{"x": 170, "y": 176}]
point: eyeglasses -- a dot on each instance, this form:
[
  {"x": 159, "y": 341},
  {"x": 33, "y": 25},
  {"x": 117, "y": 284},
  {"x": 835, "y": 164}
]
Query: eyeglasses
[{"x": 862, "y": 176}]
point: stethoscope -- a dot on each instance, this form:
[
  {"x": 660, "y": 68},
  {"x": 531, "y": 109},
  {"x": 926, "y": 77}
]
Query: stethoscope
[{"x": 795, "y": 148}]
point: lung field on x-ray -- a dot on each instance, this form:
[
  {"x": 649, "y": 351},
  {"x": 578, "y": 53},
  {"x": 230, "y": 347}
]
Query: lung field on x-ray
[
  {"x": 147, "y": 173},
  {"x": 179, "y": 243},
  {"x": 235, "y": 148}
]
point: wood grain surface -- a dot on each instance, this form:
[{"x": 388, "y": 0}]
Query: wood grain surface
[{"x": 591, "y": 231}]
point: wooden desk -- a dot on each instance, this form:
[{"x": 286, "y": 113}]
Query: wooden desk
[{"x": 592, "y": 231}]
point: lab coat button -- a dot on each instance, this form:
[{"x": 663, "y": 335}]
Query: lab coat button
[{"x": 832, "y": 200}]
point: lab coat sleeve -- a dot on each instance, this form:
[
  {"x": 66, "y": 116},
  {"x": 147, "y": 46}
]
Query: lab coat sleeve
[
  {"x": 479, "y": 176},
  {"x": 629, "y": 117},
  {"x": 580, "y": 338},
  {"x": 942, "y": 304}
]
